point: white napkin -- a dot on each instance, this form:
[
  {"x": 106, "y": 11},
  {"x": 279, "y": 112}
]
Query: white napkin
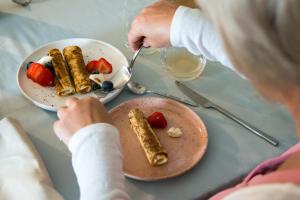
[{"x": 23, "y": 175}]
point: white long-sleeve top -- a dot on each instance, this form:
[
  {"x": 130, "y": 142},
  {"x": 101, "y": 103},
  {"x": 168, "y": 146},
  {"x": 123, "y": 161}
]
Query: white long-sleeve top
[
  {"x": 97, "y": 162},
  {"x": 191, "y": 30},
  {"x": 23, "y": 175}
]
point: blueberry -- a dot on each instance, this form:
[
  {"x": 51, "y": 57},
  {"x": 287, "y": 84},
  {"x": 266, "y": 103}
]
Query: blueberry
[
  {"x": 107, "y": 86},
  {"x": 96, "y": 86},
  {"x": 28, "y": 64},
  {"x": 49, "y": 65}
]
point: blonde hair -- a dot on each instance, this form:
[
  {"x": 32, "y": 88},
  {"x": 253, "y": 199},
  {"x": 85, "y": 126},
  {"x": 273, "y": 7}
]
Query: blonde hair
[{"x": 262, "y": 37}]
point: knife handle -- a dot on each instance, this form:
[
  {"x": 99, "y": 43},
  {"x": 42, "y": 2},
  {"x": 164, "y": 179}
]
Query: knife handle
[
  {"x": 254, "y": 130},
  {"x": 174, "y": 98}
]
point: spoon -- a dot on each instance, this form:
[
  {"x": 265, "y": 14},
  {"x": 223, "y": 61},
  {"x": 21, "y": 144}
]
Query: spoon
[
  {"x": 139, "y": 89},
  {"x": 121, "y": 77}
]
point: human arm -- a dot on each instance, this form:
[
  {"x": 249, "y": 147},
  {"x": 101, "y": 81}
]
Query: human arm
[
  {"x": 23, "y": 174},
  {"x": 164, "y": 24},
  {"x": 85, "y": 126},
  {"x": 190, "y": 29},
  {"x": 97, "y": 162},
  {"x": 266, "y": 191}
]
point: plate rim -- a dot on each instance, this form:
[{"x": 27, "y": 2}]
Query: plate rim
[
  {"x": 53, "y": 109},
  {"x": 180, "y": 172}
]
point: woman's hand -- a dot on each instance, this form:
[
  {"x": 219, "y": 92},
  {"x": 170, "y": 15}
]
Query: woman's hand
[
  {"x": 152, "y": 26},
  {"x": 78, "y": 114}
]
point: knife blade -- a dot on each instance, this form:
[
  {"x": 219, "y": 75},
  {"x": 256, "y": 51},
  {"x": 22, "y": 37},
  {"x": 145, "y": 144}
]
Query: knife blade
[
  {"x": 201, "y": 100},
  {"x": 197, "y": 98}
]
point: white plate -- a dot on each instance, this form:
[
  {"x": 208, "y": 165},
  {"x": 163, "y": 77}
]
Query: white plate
[{"x": 45, "y": 97}]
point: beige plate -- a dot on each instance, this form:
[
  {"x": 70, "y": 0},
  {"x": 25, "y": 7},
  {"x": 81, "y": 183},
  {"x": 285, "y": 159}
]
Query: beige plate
[{"x": 183, "y": 153}]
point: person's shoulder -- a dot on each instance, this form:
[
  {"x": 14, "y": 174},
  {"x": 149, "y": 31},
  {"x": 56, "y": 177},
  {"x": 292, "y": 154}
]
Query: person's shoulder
[{"x": 267, "y": 191}]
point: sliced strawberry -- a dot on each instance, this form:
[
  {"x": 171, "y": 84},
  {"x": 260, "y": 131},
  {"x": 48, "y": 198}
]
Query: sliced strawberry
[
  {"x": 40, "y": 74},
  {"x": 46, "y": 78},
  {"x": 104, "y": 66},
  {"x": 157, "y": 120},
  {"x": 34, "y": 69},
  {"x": 92, "y": 66}
]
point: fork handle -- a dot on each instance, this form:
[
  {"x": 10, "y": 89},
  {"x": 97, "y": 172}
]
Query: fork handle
[
  {"x": 254, "y": 130},
  {"x": 174, "y": 98}
]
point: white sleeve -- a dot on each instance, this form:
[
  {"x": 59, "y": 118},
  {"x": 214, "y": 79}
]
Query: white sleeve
[
  {"x": 97, "y": 162},
  {"x": 191, "y": 30},
  {"x": 281, "y": 191},
  {"x": 23, "y": 174}
]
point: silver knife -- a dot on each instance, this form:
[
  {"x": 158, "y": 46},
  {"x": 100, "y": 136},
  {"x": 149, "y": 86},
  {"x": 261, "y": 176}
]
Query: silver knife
[{"x": 204, "y": 102}]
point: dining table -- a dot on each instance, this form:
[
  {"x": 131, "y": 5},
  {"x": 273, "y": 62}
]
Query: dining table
[{"x": 232, "y": 150}]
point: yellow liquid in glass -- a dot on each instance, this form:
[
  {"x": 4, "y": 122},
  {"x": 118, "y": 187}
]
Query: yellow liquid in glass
[{"x": 182, "y": 64}]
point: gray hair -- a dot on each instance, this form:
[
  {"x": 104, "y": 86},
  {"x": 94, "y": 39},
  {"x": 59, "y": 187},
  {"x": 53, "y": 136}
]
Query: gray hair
[{"x": 262, "y": 37}]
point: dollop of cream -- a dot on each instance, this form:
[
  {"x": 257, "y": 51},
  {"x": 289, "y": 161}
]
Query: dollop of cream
[
  {"x": 43, "y": 60},
  {"x": 175, "y": 132}
]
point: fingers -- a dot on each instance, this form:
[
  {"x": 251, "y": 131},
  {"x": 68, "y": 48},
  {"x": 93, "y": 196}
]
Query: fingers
[
  {"x": 57, "y": 125},
  {"x": 61, "y": 131},
  {"x": 61, "y": 112},
  {"x": 146, "y": 43},
  {"x": 78, "y": 114},
  {"x": 57, "y": 129},
  {"x": 71, "y": 101},
  {"x": 135, "y": 40},
  {"x": 136, "y": 35}
]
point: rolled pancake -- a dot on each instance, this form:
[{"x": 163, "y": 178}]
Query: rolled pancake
[
  {"x": 59, "y": 90},
  {"x": 63, "y": 82},
  {"x": 74, "y": 58},
  {"x": 149, "y": 141}
]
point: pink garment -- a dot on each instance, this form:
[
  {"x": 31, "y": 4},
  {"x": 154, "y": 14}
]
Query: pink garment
[{"x": 266, "y": 173}]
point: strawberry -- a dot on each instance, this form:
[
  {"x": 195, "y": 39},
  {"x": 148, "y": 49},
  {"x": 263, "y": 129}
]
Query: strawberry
[
  {"x": 40, "y": 74},
  {"x": 92, "y": 66},
  {"x": 101, "y": 65},
  {"x": 104, "y": 66},
  {"x": 157, "y": 120}
]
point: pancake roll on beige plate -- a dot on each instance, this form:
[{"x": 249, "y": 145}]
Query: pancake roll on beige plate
[
  {"x": 63, "y": 81},
  {"x": 149, "y": 141},
  {"x": 74, "y": 58}
]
